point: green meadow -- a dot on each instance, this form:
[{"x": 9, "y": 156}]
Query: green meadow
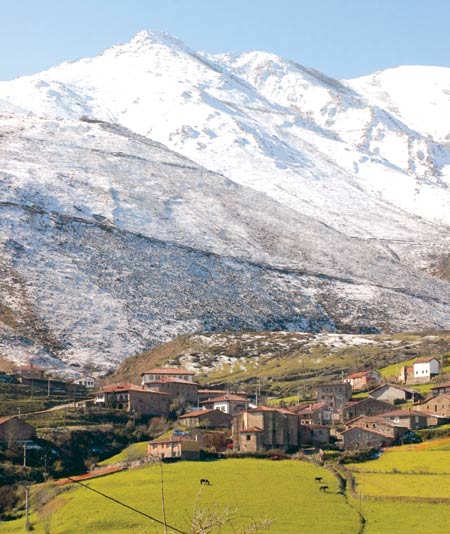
[
  {"x": 282, "y": 491},
  {"x": 402, "y": 479}
]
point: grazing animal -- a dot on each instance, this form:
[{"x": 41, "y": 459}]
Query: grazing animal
[
  {"x": 318, "y": 479},
  {"x": 323, "y": 488},
  {"x": 205, "y": 481}
]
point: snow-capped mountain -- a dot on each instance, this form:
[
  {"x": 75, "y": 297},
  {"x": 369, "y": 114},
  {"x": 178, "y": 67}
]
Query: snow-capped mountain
[{"x": 324, "y": 204}]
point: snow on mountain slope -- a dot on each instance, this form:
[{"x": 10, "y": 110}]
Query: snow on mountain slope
[
  {"x": 323, "y": 211},
  {"x": 111, "y": 243},
  {"x": 419, "y": 96},
  {"x": 306, "y": 140}
]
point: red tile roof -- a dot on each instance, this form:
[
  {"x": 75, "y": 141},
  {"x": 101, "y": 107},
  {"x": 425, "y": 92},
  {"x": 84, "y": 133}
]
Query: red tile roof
[
  {"x": 228, "y": 397},
  {"x": 252, "y": 429},
  {"x": 360, "y": 374},
  {"x": 4, "y": 419}
]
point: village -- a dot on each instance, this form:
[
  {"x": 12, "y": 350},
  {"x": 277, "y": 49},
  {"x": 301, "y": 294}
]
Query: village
[{"x": 361, "y": 411}]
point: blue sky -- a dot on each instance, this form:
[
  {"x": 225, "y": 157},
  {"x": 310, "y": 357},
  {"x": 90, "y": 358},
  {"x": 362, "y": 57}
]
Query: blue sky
[{"x": 343, "y": 38}]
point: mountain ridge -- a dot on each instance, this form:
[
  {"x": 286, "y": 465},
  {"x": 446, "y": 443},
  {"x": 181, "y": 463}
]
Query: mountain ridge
[{"x": 154, "y": 191}]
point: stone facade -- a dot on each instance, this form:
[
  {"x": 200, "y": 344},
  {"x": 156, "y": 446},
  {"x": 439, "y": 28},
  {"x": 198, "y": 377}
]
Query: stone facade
[
  {"x": 264, "y": 428},
  {"x": 366, "y": 407},
  {"x": 132, "y": 398}
]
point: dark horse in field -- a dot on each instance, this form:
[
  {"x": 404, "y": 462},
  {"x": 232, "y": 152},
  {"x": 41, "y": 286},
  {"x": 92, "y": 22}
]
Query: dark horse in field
[
  {"x": 205, "y": 481},
  {"x": 323, "y": 488}
]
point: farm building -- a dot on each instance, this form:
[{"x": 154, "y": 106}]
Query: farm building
[
  {"x": 207, "y": 419},
  {"x": 166, "y": 372},
  {"x": 129, "y": 397},
  {"x": 264, "y": 428},
  {"x": 425, "y": 368},
  {"x": 366, "y": 407},
  {"x": 393, "y": 393},
  {"x": 367, "y": 438},
  {"x": 175, "y": 447},
  {"x": 363, "y": 380}
]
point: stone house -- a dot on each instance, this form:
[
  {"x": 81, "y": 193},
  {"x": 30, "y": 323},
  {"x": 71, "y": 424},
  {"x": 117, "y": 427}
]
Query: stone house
[
  {"x": 133, "y": 398},
  {"x": 394, "y": 393},
  {"x": 437, "y": 405},
  {"x": 366, "y": 438},
  {"x": 313, "y": 414},
  {"x": 30, "y": 372},
  {"x": 228, "y": 403},
  {"x": 316, "y": 435},
  {"x": 13, "y": 429},
  {"x": 407, "y": 419},
  {"x": 366, "y": 407},
  {"x": 166, "y": 372},
  {"x": 180, "y": 447},
  {"x": 264, "y": 428},
  {"x": 183, "y": 391},
  {"x": 213, "y": 418},
  {"x": 364, "y": 380},
  {"x": 334, "y": 395}
]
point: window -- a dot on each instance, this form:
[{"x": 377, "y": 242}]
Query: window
[{"x": 248, "y": 437}]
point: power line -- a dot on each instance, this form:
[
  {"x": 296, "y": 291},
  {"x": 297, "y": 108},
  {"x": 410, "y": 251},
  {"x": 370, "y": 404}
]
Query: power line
[{"x": 175, "y": 529}]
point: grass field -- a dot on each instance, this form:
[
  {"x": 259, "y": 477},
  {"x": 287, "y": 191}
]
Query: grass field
[
  {"x": 134, "y": 451},
  {"x": 405, "y": 518},
  {"x": 411, "y": 472},
  {"x": 284, "y": 491}
]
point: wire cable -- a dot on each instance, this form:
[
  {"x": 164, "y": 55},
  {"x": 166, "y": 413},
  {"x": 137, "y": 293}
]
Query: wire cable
[{"x": 148, "y": 516}]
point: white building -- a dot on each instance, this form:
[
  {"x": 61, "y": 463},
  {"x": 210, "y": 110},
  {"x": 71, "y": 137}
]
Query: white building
[
  {"x": 87, "y": 381},
  {"x": 425, "y": 368}
]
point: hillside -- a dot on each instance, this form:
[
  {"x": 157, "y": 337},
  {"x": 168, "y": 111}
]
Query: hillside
[
  {"x": 154, "y": 191},
  {"x": 283, "y": 363}
]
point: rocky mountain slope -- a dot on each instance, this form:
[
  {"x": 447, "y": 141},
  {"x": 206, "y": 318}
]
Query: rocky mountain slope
[{"x": 320, "y": 209}]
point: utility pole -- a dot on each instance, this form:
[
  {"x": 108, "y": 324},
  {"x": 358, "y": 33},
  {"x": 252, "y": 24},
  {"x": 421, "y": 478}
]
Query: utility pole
[
  {"x": 48, "y": 388},
  {"x": 24, "y": 454},
  {"x": 27, "y": 509}
]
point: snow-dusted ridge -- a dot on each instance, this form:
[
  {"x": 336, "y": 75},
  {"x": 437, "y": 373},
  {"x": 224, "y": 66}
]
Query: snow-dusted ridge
[{"x": 320, "y": 208}]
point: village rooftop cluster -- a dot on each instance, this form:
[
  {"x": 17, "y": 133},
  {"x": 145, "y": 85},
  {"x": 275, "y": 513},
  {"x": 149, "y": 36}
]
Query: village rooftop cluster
[{"x": 223, "y": 422}]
